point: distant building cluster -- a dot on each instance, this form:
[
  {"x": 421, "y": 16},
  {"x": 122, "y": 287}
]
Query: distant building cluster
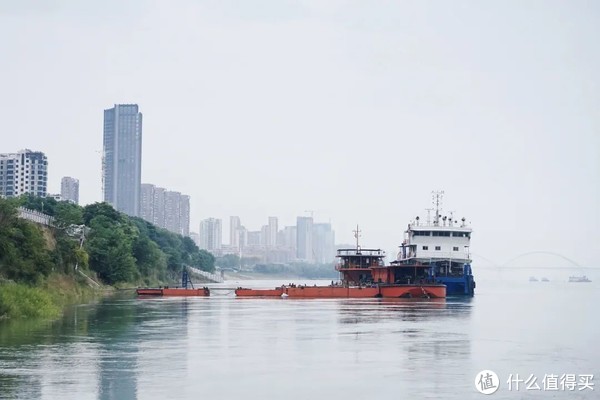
[
  {"x": 26, "y": 172},
  {"x": 306, "y": 241},
  {"x": 166, "y": 209}
]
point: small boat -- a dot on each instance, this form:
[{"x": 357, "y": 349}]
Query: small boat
[
  {"x": 582, "y": 278},
  {"x": 544, "y": 279},
  {"x": 533, "y": 279}
]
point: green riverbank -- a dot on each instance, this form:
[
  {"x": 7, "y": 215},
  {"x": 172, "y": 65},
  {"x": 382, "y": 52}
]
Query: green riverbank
[
  {"x": 45, "y": 300},
  {"x": 41, "y": 265}
]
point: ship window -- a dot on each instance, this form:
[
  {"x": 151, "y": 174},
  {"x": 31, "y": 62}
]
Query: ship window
[
  {"x": 455, "y": 248},
  {"x": 438, "y": 247},
  {"x": 425, "y": 247},
  {"x": 441, "y": 233}
]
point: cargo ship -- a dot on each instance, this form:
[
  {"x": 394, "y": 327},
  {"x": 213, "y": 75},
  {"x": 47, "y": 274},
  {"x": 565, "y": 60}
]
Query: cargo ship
[
  {"x": 439, "y": 247},
  {"x": 363, "y": 274}
]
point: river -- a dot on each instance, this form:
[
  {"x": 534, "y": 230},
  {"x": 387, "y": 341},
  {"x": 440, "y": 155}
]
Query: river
[{"x": 224, "y": 347}]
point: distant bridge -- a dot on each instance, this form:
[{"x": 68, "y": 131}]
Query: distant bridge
[
  {"x": 529, "y": 253},
  {"x": 542, "y": 252}
]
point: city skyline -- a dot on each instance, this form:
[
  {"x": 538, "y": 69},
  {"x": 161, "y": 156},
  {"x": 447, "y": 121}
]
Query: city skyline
[
  {"x": 406, "y": 98},
  {"x": 270, "y": 244}
]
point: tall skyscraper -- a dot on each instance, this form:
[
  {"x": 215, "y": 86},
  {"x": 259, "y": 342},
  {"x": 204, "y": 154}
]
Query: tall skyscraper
[
  {"x": 289, "y": 238},
  {"x": 184, "y": 214},
  {"x": 234, "y": 231},
  {"x": 173, "y": 211},
  {"x": 147, "y": 202},
  {"x": 23, "y": 172},
  {"x": 210, "y": 234},
  {"x": 271, "y": 239},
  {"x": 304, "y": 230},
  {"x": 122, "y": 158},
  {"x": 69, "y": 189},
  {"x": 323, "y": 243},
  {"x": 158, "y": 207}
]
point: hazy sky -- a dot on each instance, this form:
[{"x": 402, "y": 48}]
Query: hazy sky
[{"x": 356, "y": 110}]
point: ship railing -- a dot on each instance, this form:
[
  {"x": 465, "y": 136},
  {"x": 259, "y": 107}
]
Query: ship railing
[
  {"x": 361, "y": 252},
  {"x": 451, "y": 255},
  {"x": 345, "y": 267}
]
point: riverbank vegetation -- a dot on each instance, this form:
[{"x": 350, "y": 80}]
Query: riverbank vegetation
[
  {"x": 294, "y": 269},
  {"x": 116, "y": 250}
]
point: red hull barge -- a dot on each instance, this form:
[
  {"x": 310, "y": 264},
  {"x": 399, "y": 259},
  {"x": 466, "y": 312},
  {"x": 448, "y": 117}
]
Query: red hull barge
[
  {"x": 363, "y": 275},
  {"x": 340, "y": 292},
  {"x": 201, "y": 292},
  {"x": 244, "y": 292}
]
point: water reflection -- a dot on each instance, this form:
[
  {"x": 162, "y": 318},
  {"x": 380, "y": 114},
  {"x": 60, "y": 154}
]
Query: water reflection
[
  {"x": 223, "y": 347},
  {"x": 417, "y": 332}
]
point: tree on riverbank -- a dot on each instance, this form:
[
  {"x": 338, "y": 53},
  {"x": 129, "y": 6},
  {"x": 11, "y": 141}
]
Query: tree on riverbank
[{"x": 119, "y": 248}]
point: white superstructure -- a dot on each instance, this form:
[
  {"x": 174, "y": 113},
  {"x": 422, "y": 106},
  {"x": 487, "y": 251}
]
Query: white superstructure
[{"x": 439, "y": 238}]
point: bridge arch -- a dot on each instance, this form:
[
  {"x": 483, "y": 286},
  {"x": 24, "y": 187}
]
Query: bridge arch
[{"x": 574, "y": 263}]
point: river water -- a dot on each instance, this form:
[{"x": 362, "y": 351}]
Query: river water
[{"x": 224, "y": 347}]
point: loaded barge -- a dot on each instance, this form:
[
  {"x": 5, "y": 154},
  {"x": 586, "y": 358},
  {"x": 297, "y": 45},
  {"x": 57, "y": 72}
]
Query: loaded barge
[{"x": 363, "y": 275}]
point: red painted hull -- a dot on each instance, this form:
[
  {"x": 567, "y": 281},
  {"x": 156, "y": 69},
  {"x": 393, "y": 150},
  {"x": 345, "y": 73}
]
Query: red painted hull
[
  {"x": 331, "y": 292},
  {"x": 244, "y": 292},
  {"x": 201, "y": 292},
  {"x": 335, "y": 292},
  {"x": 413, "y": 291}
]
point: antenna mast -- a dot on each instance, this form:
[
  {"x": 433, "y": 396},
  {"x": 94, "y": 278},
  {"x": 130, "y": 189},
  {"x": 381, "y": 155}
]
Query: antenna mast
[
  {"x": 437, "y": 203},
  {"x": 357, "y": 235}
]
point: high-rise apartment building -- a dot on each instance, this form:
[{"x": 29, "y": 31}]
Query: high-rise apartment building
[
  {"x": 69, "y": 189},
  {"x": 184, "y": 214},
  {"x": 271, "y": 236},
  {"x": 147, "y": 202},
  {"x": 289, "y": 238},
  {"x": 304, "y": 230},
  {"x": 323, "y": 243},
  {"x": 158, "y": 207},
  {"x": 234, "y": 231},
  {"x": 210, "y": 234},
  {"x": 23, "y": 172},
  {"x": 242, "y": 237},
  {"x": 166, "y": 209},
  {"x": 122, "y": 158},
  {"x": 173, "y": 211}
]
